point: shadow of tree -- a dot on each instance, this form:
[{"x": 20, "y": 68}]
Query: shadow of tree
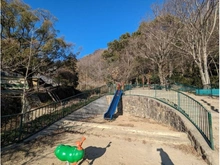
[
  {"x": 92, "y": 153},
  {"x": 165, "y": 159},
  {"x": 33, "y": 146}
]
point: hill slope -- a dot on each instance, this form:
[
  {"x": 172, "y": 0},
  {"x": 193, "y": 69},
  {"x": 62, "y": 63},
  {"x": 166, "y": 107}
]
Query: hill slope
[{"x": 91, "y": 70}]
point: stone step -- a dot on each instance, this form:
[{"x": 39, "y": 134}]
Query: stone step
[{"x": 122, "y": 132}]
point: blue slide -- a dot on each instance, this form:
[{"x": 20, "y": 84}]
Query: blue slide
[{"x": 112, "y": 108}]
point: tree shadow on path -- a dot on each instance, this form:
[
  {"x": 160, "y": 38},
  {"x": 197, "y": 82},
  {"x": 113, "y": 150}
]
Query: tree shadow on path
[
  {"x": 92, "y": 153},
  {"x": 165, "y": 159}
]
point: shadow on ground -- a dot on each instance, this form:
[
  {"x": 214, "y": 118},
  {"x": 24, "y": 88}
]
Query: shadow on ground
[
  {"x": 36, "y": 145},
  {"x": 165, "y": 159},
  {"x": 92, "y": 153}
]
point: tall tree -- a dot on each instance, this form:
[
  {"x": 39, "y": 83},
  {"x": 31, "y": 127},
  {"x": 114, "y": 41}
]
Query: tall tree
[
  {"x": 155, "y": 44},
  {"x": 29, "y": 41},
  {"x": 67, "y": 72},
  {"x": 199, "y": 20},
  {"x": 123, "y": 62}
]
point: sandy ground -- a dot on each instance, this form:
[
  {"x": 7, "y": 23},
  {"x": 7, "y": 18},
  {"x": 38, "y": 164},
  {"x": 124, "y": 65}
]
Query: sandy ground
[{"x": 127, "y": 140}]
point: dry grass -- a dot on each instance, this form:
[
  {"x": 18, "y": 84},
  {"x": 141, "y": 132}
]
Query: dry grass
[{"x": 186, "y": 149}]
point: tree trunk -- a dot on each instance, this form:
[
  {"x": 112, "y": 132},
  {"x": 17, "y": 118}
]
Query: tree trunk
[
  {"x": 30, "y": 82},
  {"x": 206, "y": 72},
  {"x": 143, "y": 80},
  {"x": 25, "y": 106},
  {"x": 203, "y": 68},
  {"x": 161, "y": 77},
  {"x": 137, "y": 81},
  {"x": 202, "y": 75},
  {"x": 170, "y": 69}
]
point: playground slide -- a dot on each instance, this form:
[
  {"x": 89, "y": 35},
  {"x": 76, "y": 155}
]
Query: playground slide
[{"x": 112, "y": 108}]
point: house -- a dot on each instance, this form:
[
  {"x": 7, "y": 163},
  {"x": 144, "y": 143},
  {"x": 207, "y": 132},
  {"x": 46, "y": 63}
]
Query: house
[{"x": 11, "y": 82}]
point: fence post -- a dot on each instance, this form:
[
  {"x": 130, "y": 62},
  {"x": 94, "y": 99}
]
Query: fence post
[
  {"x": 178, "y": 97},
  {"x": 63, "y": 109},
  {"x": 129, "y": 88},
  {"x": 210, "y": 130},
  {"x": 20, "y": 127}
]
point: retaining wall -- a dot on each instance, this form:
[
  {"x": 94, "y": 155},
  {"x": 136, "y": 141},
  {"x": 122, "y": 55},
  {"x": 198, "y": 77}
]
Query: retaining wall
[{"x": 142, "y": 106}]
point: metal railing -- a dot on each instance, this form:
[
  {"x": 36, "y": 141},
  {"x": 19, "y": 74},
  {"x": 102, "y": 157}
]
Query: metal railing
[
  {"x": 190, "y": 108},
  {"x": 17, "y": 127}
]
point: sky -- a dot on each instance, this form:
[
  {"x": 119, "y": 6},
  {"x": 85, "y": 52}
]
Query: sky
[{"x": 92, "y": 24}]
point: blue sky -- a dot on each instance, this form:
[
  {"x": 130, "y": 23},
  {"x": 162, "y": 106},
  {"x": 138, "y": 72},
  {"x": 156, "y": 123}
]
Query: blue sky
[{"x": 91, "y": 24}]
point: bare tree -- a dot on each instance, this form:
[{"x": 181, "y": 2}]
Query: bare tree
[
  {"x": 91, "y": 70},
  {"x": 199, "y": 20},
  {"x": 155, "y": 44},
  {"x": 127, "y": 62}
]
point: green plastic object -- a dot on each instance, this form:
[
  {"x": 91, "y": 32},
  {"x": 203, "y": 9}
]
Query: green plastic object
[{"x": 69, "y": 153}]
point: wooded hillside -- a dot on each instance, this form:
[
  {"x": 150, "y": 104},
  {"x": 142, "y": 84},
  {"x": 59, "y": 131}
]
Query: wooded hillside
[
  {"x": 92, "y": 70},
  {"x": 180, "y": 44}
]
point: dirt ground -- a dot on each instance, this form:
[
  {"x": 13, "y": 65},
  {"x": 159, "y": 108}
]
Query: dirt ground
[{"x": 127, "y": 140}]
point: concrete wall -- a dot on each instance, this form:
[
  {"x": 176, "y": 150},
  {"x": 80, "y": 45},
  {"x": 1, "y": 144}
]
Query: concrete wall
[{"x": 141, "y": 106}]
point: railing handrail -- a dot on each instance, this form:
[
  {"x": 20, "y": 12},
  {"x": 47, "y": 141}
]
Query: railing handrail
[
  {"x": 33, "y": 109},
  {"x": 208, "y": 136},
  {"x": 17, "y": 127},
  {"x": 61, "y": 113},
  {"x": 191, "y": 98}
]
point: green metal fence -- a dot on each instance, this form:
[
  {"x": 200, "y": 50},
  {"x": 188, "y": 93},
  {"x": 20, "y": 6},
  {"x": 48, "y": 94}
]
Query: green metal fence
[
  {"x": 193, "y": 111},
  {"x": 190, "y": 108},
  {"x": 17, "y": 127}
]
